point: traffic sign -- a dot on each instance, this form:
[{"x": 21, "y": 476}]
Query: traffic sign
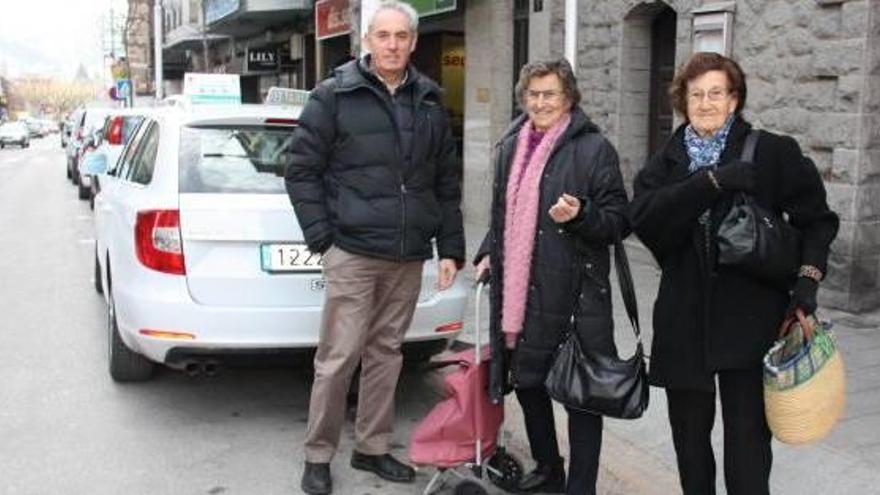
[{"x": 123, "y": 89}]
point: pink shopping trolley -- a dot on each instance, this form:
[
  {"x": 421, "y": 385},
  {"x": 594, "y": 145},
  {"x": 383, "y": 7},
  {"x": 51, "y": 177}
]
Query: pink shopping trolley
[{"x": 459, "y": 436}]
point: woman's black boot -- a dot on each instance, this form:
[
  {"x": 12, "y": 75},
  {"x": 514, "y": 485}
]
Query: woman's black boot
[{"x": 545, "y": 478}]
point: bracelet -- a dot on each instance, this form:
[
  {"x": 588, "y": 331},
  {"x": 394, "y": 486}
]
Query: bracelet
[
  {"x": 810, "y": 271},
  {"x": 714, "y": 181}
]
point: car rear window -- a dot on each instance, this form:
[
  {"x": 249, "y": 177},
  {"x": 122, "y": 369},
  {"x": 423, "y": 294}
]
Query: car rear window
[{"x": 233, "y": 159}]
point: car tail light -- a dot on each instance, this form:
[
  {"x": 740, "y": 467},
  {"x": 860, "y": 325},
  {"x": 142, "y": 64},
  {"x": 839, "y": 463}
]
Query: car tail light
[
  {"x": 157, "y": 241},
  {"x": 114, "y": 134},
  {"x": 450, "y": 327}
]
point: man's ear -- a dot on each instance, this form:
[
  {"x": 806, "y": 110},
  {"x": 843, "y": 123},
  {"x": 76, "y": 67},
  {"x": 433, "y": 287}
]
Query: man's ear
[
  {"x": 414, "y": 43},
  {"x": 365, "y": 42}
]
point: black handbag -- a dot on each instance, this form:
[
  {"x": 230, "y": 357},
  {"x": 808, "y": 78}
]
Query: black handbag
[
  {"x": 757, "y": 240},
  {"x": 596, "y": 383}
]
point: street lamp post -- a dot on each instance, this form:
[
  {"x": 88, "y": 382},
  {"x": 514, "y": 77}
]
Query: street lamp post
[{"x": 157, "y": 46}]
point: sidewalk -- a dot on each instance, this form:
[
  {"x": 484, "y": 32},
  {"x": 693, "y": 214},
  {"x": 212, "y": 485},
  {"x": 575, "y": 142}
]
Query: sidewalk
[{"x": 638, "y": 457}]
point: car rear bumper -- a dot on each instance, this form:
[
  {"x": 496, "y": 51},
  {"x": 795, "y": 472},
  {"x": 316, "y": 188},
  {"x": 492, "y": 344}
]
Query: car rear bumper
[{"x": 219, "y": 330}]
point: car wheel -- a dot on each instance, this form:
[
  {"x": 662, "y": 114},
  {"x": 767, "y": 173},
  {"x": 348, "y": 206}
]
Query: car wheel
[
  {"x": 2, "y": 145},
  {"x": 82, "y": 192},
  {"x": 67, "y": 170},
  {"x": 506, "y": 471},
  {"x": 74, "y": 177},
  {"x": 99, "y": 286},
  {"x": 125, "y": 364}
]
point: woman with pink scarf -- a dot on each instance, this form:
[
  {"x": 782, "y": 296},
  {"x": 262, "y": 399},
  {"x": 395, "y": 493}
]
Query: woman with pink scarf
[{"x": 558, "y": 203}]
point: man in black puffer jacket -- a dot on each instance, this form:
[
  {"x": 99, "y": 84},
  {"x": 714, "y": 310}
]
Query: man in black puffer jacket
[{"x": 374, "y": 179}]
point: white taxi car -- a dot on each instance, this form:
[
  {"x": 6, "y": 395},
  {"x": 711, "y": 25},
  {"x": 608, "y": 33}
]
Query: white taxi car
[{"x": 199, "y": 254}]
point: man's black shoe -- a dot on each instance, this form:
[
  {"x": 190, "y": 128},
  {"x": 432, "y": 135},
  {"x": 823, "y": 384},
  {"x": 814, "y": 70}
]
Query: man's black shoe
[
  {"x": 385, "y": 466},
  {"x": 316, "y": 479},
  {"x": 545, "y": 478}
]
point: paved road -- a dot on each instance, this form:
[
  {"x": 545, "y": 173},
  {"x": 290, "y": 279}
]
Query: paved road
[{"x": 66, "y": 427}]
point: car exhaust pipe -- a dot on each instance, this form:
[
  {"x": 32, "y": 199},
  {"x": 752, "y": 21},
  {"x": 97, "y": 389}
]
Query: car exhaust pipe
[
  {"x": 211, "y": 368},
  {"x": 194, "y": 369}
]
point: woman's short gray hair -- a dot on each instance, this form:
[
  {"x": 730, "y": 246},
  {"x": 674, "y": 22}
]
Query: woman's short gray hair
[
  {"x": 561, "y": 68},
  {"x": 404, "y": 8}
]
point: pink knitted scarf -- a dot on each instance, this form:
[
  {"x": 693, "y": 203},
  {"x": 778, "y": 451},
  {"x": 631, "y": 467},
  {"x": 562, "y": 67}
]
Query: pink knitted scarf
[{"x": 520, "y": 222}]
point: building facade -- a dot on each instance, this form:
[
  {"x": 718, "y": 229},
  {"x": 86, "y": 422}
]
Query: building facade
[
  {"x": 813, "y": 70},
  {"x": 138, "y": 40}
]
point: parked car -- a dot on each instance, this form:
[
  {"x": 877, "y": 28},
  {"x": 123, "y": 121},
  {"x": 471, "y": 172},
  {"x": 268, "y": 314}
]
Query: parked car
[
  {"x": 48, "y": 126},
  {"x": 199, "y": 254},
  {"x": 35, "y": 129},
  {"x": 87, "y": 122},
  {"x": 73, "y": 140},
  {"x": 106, "y": 144},
  {"x": 66, "y": 129},
  {"x": 14, "y": 133}
]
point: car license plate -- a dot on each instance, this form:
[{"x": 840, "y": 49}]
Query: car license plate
[{"x": 294, "y": 257}]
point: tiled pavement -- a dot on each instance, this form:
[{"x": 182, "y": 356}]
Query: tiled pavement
[{"x": 638, "y": 458}]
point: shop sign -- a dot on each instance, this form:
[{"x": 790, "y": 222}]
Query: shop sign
[
  {"x": 262, "y": 59},
  {"x": 332, "y": 18},
  {"x": 431, "y": 7},
  {"x": 218, "y": 9}
]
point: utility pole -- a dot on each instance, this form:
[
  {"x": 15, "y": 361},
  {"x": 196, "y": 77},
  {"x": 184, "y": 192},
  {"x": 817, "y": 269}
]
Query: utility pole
[
  {"x": 204, "y": 38},
  {"x": 112, "y": 33},
  {"x": 157, "y": 46}
]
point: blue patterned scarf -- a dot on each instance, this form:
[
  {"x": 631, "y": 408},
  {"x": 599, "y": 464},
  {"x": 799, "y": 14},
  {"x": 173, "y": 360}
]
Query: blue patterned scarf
[{"x": 705, "y": 153}]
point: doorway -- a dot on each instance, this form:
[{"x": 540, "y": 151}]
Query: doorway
[{"x": 647, "y": 68}]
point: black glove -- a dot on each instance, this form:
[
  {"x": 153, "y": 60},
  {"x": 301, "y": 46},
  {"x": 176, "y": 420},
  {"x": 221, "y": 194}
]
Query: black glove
[
  {"x": 737, "y": 176},
  {"x": 804, "y": 296}
]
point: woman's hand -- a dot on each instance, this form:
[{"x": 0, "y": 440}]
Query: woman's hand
[
  {"x": 566, "y": 208},
  {"x": 483, "y": 266},
  {"x": 803, "y": 296}
]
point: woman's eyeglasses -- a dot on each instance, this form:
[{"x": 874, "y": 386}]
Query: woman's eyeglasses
[
  {"x": 549, "y": 95},
  {"x": 714, "y": 94}
]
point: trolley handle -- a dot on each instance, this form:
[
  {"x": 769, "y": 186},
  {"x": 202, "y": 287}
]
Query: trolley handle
[{"x": 484, "y": 277}]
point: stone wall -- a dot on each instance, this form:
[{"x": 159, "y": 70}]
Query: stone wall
[
  {"x": 808, "y": 69},
  {"x": 489, "y": 69},
  {"x": 813, "y": 70}
]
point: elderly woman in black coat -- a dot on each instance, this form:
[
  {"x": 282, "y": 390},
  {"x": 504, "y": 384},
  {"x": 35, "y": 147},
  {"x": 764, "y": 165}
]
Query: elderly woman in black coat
[
  {"x": 714, "y": 322},
  {"x": 558, "y": 203}
]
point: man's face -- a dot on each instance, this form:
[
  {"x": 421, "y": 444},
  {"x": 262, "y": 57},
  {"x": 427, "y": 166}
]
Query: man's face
[{"x": 390, "y": 41}]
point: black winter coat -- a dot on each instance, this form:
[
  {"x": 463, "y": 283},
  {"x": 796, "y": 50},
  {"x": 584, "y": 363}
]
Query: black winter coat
[
  {"x": 709, "y": 317},
  {"x": 584, "y": 164},
  {"x": 349, "y": 182}
]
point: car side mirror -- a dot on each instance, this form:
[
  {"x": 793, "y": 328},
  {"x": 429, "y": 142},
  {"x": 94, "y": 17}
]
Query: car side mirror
[{"x": 95, "y": 164}]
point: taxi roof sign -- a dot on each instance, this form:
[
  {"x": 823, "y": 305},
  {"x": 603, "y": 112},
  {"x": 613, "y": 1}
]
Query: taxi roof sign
[
  {"x": 286, "y": 96},
  {"x": 201, "y": 88}
]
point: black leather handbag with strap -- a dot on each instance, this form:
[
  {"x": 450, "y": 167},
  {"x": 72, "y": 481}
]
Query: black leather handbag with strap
[
  {"x": 755, "y": 239},
  {"x": 589, "y": 381}
]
